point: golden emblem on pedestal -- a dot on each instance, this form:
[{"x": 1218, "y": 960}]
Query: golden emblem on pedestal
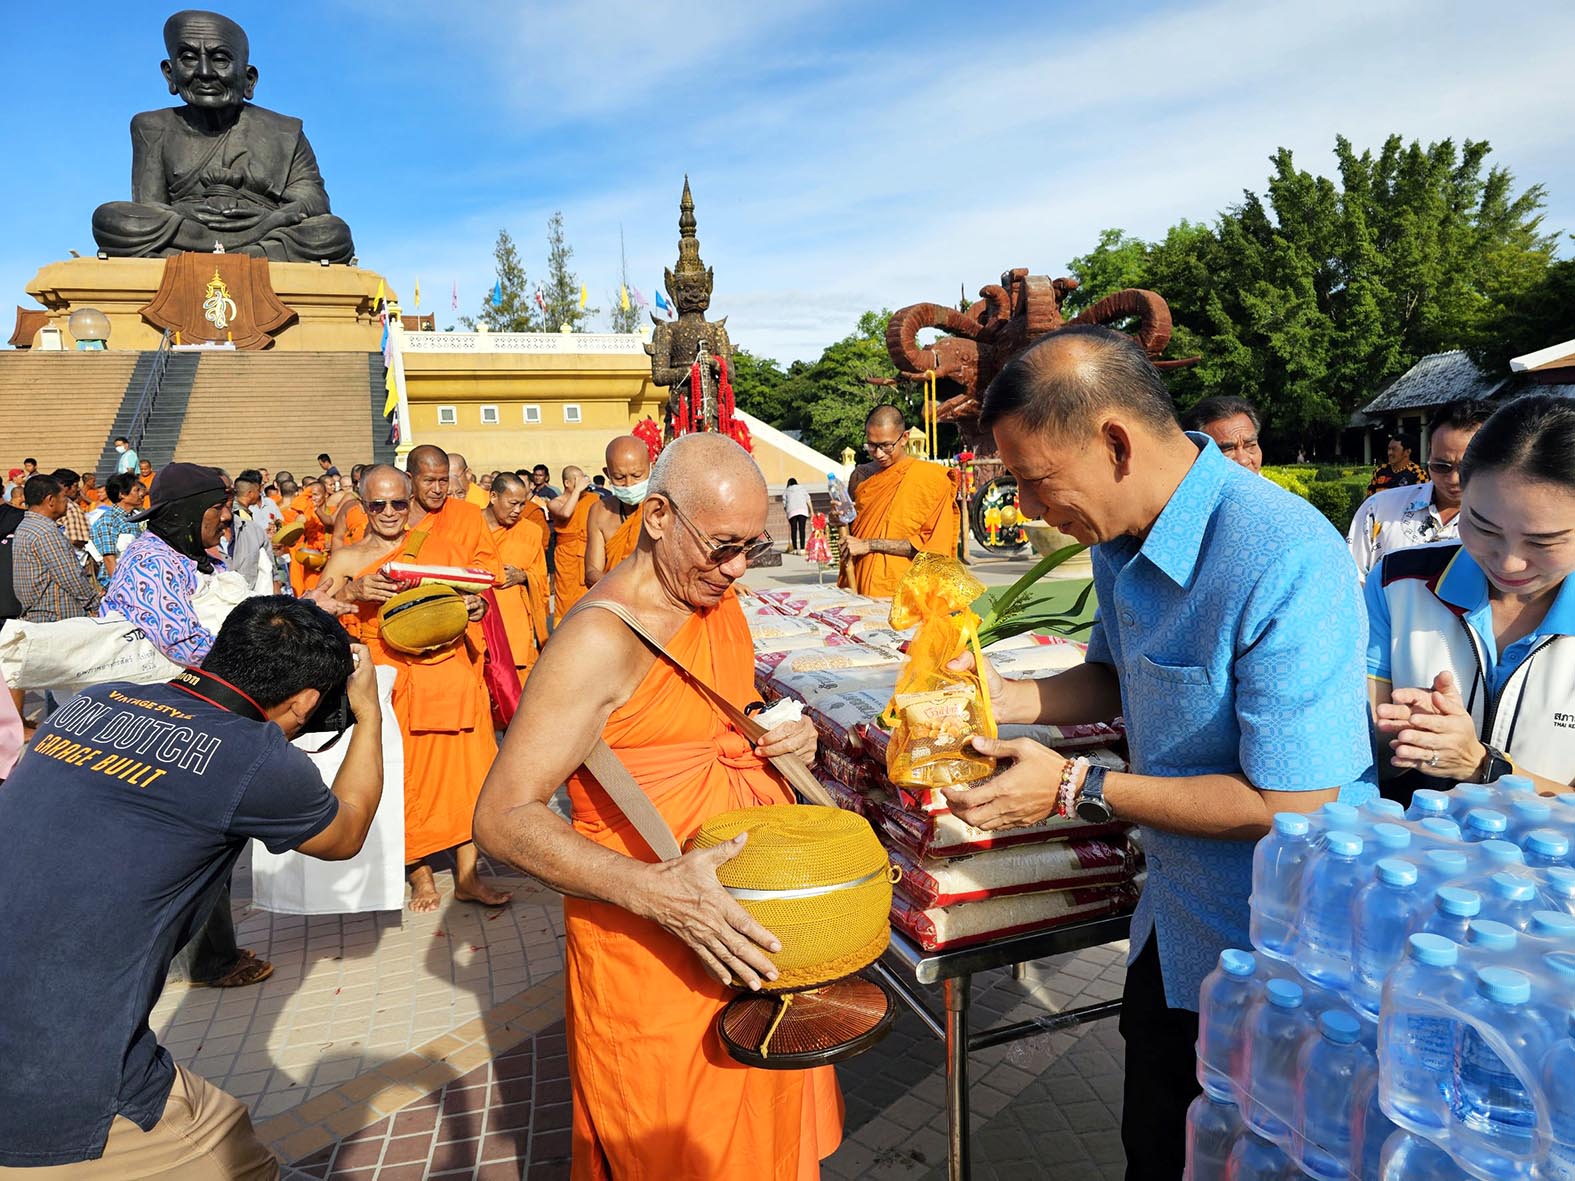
[{"x": 217, "y": 306}]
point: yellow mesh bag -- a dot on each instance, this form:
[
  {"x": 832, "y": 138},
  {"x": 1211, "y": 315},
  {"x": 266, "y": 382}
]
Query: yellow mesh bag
[
  {"x": 816, "y": 878},
  {"x": 935, "y": 711}
]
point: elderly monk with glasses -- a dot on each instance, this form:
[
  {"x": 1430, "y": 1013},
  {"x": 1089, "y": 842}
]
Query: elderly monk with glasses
[
  {"x": 651, "y": 944},
  {"x": 905, "y": 507}
]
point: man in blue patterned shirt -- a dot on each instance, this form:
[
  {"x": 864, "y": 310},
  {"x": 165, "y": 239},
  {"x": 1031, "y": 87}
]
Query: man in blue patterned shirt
[
  {"x": 123, "y": 493},
  {"x": 1230, "y": 635}
]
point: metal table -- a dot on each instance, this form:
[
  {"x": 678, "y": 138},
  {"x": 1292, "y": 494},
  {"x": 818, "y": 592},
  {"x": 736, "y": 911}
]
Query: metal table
[{"x": 904, "y": 961}]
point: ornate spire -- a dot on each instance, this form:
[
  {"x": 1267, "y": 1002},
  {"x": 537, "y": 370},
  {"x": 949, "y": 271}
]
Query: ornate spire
[{"x": 688, "y": 245}]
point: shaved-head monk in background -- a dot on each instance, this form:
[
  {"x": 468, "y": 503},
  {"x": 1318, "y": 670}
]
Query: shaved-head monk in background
[
  {"x": 460, "y": 485},
  {"x": 305, "y": 506},
  {"x": 570, "y": 512},
  {"x": 611, "y": 533},
  {"x": 906, "y": 507},
  {"x": 521, "y": 544},
  {"x": 651, "y": 944},
  {"x": 442, "y": 515},
  {"x": 445, "y": 720}
]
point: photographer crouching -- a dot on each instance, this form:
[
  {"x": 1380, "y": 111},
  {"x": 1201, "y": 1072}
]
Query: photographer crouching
[{"x": 118, "y": 826}]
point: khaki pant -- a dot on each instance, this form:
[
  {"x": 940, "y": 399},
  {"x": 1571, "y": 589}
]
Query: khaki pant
[{"x": 204, "y": 1135}]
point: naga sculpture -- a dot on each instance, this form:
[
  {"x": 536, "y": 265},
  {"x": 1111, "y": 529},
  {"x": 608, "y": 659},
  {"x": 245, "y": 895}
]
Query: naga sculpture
[
  {"x": 677, "y": 345},
  {"x": 219, "y": 172},
  {"x": 1010, "y": 316}
]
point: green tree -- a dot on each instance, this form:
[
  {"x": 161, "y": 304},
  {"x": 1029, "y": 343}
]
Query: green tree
[
  {"x": 760, "y": 388},
  {"x": 517, "y": 311},
  {"x": 561, "y": 292},
  {"x": 1538, "y": 315},
  {"x": 620, "y": 318}
]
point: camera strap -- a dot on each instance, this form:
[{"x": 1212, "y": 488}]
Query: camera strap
[{"x": 216, "y": 691}]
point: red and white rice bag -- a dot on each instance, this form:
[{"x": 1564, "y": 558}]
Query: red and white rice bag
[
  {"x": 470, "y": 580},
  {"x": 941, "y": 834},
  {"x": 1024, "y": 869},
  {"x": 772, "y": 627},
  {"x": 837, "y": 654},
  {"x": 1042, "y": 660},
  {"x": 939, "y": 927},
  {"x": 839, "y": 716}
]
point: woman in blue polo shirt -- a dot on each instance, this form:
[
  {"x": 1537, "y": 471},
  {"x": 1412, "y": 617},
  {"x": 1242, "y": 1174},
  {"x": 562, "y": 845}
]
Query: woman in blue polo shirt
[{"x": 1471, "y": 644}]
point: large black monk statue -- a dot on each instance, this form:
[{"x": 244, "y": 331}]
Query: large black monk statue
[{"x": 219, "y": 170}]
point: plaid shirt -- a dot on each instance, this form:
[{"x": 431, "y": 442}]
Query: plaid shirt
[
  {"x": 50, "y": 582},
  {"x": 108, "y": 528},
  {"x": 76, "y": 524}
]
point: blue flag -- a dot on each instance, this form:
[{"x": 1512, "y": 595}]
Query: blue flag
[
  {"x": 662, "y": 305},
  {"x": 497, "y": 294}
]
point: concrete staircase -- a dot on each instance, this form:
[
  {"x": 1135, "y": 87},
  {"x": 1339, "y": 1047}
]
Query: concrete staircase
[
  {"x": 59, "y": 408},
  {"x": 279, "y": 410},
  {"x": 157, "y": 445}
]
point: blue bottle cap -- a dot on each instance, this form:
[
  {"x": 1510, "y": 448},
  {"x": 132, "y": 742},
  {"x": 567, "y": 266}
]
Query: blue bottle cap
[
  {"x": 1552, "y": 924},
  {"x": 1392, "y": 836},
  {"x": 1341, "y": 843},
  {"x": 1486, "y": 820},
  {"x": 1472, "y": 793},
  {"x": 1449, "y": 862},
  {"x": 1461, "y": 903},
  {"x": 1532, "y": 811},
  {"x": 1514, "y": 783},
  {"x": 1561, "y": 880},
  {"x": 1430, "y": 802},
  {"x": 1337, "y": 813},
  {"x": 1490, "y": 935},
  {"x": 1546, "y": 842},
  {"x": 1378, "y": 806},
  {"x": 1340, "y": 1027},
  {"x": 1284, "y": 994},
  {"x": 1291, "y": 824},
  {"x": 1433, "y": 950},
  {"x": 1511, "y": 887},
  {"x": 1502, "y": 852},
  {"x": 1396, "y": 871},
  {"x": 1563, "y": 963},
  {"x": 1441, "y": 827},
  {"x": 1237, "y": 962},
  {"x": 1504, "y": 985}
]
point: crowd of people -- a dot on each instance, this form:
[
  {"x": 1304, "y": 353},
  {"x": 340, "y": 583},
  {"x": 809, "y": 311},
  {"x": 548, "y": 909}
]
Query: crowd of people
[{"x": 1262, "y": 664}]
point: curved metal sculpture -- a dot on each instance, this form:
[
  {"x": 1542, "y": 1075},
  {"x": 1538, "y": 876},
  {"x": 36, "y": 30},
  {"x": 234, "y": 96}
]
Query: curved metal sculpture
[{"x": 1008, "y": 317}]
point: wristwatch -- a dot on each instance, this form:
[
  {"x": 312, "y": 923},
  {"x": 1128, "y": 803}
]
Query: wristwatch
[
  {"x": 1091, "y": 807},
  {"x": 1496, "y": 765}
]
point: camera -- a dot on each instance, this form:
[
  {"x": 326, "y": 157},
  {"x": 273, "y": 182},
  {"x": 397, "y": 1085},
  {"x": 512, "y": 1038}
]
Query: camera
[{"x": 332, "y": 715}]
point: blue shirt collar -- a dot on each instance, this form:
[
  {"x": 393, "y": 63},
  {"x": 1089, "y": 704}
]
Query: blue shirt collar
[
  {"x": 1464, "y": 587},
  {"x": 1176, "y": 538}
]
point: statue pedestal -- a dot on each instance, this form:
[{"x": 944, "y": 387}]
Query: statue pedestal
[{"x": 332, "y": 305}]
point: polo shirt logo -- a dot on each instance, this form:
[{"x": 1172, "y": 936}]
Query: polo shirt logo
[{"x": 1564, "y": 721}]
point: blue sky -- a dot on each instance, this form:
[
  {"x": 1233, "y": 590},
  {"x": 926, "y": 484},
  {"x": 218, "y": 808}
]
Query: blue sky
[{"x": 843, "y": 156}]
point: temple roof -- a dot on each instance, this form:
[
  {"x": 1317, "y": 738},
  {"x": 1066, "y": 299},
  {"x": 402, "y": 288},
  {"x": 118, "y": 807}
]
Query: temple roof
[{"x": 1435, "y": 380}]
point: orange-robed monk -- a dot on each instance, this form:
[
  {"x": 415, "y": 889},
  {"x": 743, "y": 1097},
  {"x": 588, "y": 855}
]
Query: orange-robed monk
[
  {"x": 570, "y": 513},
  {"x": 440, "y": 699},
  {"x": 612, "y": 535},
  {"x": 522, "y": 595},
  {"x": 650, "y": 944},
  {"x": 306, "y": 505},
  {"x": 906, "y": 507},
  {"x": 440, "y": 514}
]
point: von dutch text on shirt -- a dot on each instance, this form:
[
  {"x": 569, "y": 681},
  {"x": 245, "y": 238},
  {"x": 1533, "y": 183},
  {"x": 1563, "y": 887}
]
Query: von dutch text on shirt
[{"x": 127, "y": 743}]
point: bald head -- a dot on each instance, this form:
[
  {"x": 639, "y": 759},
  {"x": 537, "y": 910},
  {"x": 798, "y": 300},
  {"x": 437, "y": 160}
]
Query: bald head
[
  {"x": 383, "y": 481},
  {"x": 628, "y": 454},
  {"x": 191, "y": 23},
  {"x": 1064, "y": 385},
  {"x": 885, "y": 417},
  {"x": 571, "y": 474},
  {"x": 707, "y": 470},
  {"x": 383, "y": 490},
  {"x": 428, "y": 456},
  {"x": 509, "y": 483}
]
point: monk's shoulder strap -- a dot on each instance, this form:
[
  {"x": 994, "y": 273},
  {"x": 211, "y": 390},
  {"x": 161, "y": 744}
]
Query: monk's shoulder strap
[{"x": 414, "y": 540}]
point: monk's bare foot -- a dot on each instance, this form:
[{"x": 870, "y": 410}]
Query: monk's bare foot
[
  {"x": 424, "y": 896},
  {"x": 476, "y": 890}
]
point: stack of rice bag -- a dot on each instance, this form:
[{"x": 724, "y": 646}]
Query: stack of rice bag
[{"x": 834, "y": 651}]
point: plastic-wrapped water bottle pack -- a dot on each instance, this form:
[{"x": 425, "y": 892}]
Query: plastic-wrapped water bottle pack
[{"x": 1408, "y": 1009}]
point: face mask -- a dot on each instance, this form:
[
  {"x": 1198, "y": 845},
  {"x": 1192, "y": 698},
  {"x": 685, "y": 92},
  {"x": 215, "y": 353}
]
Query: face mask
[
  {"x": 633, "y": 494},
  {"x": 119, "y": 448}
]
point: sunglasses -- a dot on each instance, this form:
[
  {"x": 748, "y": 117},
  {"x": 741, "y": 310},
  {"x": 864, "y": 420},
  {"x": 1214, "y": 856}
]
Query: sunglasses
[
  {"x": 377, "y": 506},
  {"x": 720, "y": 553},
  {"x": 1440, "y": 468}
]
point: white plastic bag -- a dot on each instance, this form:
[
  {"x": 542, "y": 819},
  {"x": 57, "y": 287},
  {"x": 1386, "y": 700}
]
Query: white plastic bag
[{"x": 72, "y": 654}]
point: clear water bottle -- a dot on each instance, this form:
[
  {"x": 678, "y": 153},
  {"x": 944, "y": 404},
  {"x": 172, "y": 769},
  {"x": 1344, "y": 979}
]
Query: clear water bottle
[
  {"x": 1491, "y": 937},
  {"x": 1484, "y": 824},
  {"x": 1558, "y": 1088},
  {"x": 1527, "y": 813},
  {"x": 1376, "y": 809},
  {"x": 1408, "y": 1157},
  {"x": 1384, "y": 839},
  {"x": 1373, "y": 1128},
  {"x": 1439, "y": 866},
  {"x": 1416, "y": 1040},
  {"x": 1495, "y": 1117},
  {"x": 1453, "y": 909},
  {"x": 1253, "y": 1158},
  {"x": 1323, "y": 953},
  {"x": 1511, "y": 899},
  {"x": 1441, "y": 830},
  {"x": 1334, "y": 814},
  {"x": 1553, "y": 925},
  {"x": 1276, "y": 1026},
  {"x": 1329, "y": 1071},
  {"x": 1425, "y": 802},
  {"x": 841, "y": 503},
  {"x": 1467, "y": 796},
  {"x": 1277, "y": 866},
  {"x": 1510, "y": 787},
  {"x": 1213, "y": 1125},
  {"x": 1381, "y": 917},
  {"x": 1558, "y": 889},
  {"x": 1546, "y": 848},
  {"x": 1501, "y": 854},
  {"x": 1560, "y": 973},
  {"x": 1226, "y": 996}
]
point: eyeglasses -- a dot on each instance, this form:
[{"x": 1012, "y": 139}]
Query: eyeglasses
[
  {"x": 882, "y": 448},
  {"x": 377, "y": 506},
  {"x": 1439, "y": 468},
  {"x": 720, "y": 553}
]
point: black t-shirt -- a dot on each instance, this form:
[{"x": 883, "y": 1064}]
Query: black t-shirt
[{"x": 118, "y": 826}]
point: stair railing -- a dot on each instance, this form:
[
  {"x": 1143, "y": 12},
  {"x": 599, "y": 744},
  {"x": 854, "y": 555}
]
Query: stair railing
[{"x": 149, "y": 396}]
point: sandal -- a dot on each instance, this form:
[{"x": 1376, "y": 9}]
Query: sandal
[{"x": 247, "y": 970}]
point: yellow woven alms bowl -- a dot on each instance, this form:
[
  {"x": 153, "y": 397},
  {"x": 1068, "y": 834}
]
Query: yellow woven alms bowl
[
  {"x": 287, "y": 535},
  {"x": 422, "y": 619},
  {"x": 816, "y": 878}
]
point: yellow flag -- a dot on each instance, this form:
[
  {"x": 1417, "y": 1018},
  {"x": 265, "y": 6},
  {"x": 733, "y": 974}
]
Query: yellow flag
[
  {"x": 377, "y": 299},
  {"x": 585, "y": 297},
  {"x": 391, "y": 403},
  {"x": 623, "y": 297},
  {"x": 417, "y": 293}
]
